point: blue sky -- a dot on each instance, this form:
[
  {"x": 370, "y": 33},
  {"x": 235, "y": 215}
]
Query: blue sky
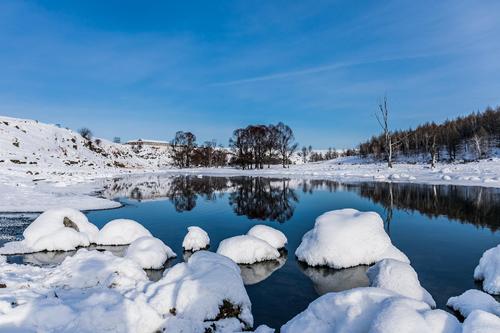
[{"x": 148, "y": 69}]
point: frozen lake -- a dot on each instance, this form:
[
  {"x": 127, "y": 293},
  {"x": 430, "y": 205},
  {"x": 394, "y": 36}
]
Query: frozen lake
[{"x": 444, "y": 230}]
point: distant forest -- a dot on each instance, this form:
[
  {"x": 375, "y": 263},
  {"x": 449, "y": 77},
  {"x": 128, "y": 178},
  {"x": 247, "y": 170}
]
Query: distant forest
[{"x": 464, "y": 138}]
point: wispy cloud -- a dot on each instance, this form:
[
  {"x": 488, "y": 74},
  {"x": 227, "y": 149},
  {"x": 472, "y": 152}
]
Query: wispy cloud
[{"x": 318, "y": 69}]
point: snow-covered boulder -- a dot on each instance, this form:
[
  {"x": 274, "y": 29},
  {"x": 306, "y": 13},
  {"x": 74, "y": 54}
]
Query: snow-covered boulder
[
  {"x": 206, "y": 288},
  {"x": 276, "y": 238},
  {"x": 399, "y": 277},
  {"x": 196, "y": 239},
  {"x": 370, "y": 309},
  {"x": 488, "y": 270},
  {"x": 121, "y": 232},
  {"x": 346, "y": 238},
  {"x": 480, "y": 321},
  {"x": 472, "y": 300},
  {"x": 149, "y": 252},
  {"x": 59, "y": 229},
  {"x": 247, "y": 249}
]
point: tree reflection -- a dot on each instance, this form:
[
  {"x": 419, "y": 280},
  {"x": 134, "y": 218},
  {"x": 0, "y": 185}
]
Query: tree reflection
[{"x": 263, "y": 198}]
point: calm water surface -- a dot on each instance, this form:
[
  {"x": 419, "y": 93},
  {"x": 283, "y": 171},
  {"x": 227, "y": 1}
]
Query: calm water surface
[{"x": 442, "y": 229}]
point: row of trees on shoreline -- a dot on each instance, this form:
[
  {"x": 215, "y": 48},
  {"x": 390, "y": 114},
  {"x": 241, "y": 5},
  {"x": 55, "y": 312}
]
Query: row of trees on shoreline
[{"x": 466, "y": 138}]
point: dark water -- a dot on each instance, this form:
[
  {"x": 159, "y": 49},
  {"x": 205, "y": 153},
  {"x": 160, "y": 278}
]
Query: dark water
[{"x": 442, "y": 229}]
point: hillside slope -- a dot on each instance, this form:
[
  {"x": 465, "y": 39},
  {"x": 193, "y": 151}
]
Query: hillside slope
[{"x": 39, "y": 147}]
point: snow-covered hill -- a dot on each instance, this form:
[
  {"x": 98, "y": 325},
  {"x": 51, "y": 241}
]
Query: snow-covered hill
[{"x": 46, "y": 148}]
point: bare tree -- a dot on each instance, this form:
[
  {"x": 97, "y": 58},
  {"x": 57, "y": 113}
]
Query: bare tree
[
  {"x": 304, "y": 154},
  {"x": 85, "y": 133},
  {"x": 286, "y": 144},
  {"x": 183, "y": 145},
  {"x": 383, "y": 120}
]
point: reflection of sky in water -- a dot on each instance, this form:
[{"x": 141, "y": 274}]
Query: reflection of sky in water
[{"x": 442, "y": 229}]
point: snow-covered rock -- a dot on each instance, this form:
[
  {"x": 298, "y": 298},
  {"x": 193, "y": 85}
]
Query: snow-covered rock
[
  {"x": 481, "y": 322},
  {"x": 149, "y": 252},
  {"x": 472, "y": 300},
  {"x": 247, "y": 249},
  {"x": 276, "y": 238},
  {"x": 196, "y": 239},
  {"x": 488, "y": 270},
  {"x": 370, "y": 309},
  {"x": 121, "y": 232},
  {"x": 399, "y": 277},
  {"x": 60, "y": 229},
  {"x": 199, "y": 289},
  {"x": 346, "y": 238}
]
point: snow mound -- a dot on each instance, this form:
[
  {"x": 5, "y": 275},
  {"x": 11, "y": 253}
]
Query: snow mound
[
  {"x": 121, "y": 232},
  {"x": 247, "y": 249},
  {"x": 59, "y": 229},
  {"x": 474, "y": 300},
  {"x": 200, "y": 289},
  {"x": 196, "y": 239},
  {"x": 399, "y": 277},
  {"x": 481, "y": 322},
  {"x": 488, "y": 270},
  {"x": 346, "y": 238},
  {"x": 149, "y": 252},
  {"x": 276, "y": 238},
  {"x": 370, "y": 309}
]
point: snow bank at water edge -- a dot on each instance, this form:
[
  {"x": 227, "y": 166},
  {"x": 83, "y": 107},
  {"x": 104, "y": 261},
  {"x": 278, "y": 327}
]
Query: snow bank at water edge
[
  {"x": 149, "y": 252},
  {"x": 121, "y": 232},
  {"x": 370, "y": 309},
  {"x": 247, "y": 249},
  {"x": 474, "y": 300},
  {"x": 346, "y": 238},
  {"x": 274, "y": 237},
  {"x": 196, "y": 239},
  {"x": 488, "y": 270},
  {"x": 481, "y": 322},
  {"x": 206, "y": 288},
  {"x": 399, "y": 277},
  {"x": 61, "y": 229}
]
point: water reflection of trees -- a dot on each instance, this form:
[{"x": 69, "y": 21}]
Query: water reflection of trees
[
  {"x": 263, "y": 198},
  {"x": 275, "y": 199},
  {"x": 476, "y": 205}
]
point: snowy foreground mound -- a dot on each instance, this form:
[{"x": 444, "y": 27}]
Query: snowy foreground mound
[
  {"x": 247, "y": 249},
  {"x": 488, "y": 270},
  {"x": 474, "y": 300},
  {"x": 96, "y": 291},
  {"x": 274, "y": 237},
  {"x": 121, "y": 232},
  {"x": 399, "y": 277},
  {"x": 67, "y": 229},
  {"x": 61, "y": 229},
  {"x": 196, "y": 239},
  {"x": 346, "y": 238},
  {"x": 149, "y": 252},
  {"x": 377, "y": 310}
]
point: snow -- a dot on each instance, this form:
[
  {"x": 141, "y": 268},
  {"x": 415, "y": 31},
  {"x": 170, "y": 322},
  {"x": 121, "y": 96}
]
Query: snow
[
  {"x": 149, "y": 252},
  {"x": 474, "y": 300},
  {"x": 43, "y": 165},
  {"x": 488, "y": 270},
  {"x": 346, "y": 238},
  {"x": 60, "y": 229},
  {"x": 481, "y": 322},
  {"x": 247, "y": 249},
  {"x": 196, "y": 239},
  {"x": 121, "y": 232},
  {"x": 370, "y": 310},
  {"x": 197, "y": 289},
  {"x": 274, "y": 237},
  {"x": 399, "y": 277}
]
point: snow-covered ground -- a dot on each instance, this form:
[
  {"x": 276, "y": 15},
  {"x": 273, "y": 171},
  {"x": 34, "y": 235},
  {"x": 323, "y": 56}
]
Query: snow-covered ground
[{"x": 42, "y": 165}]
